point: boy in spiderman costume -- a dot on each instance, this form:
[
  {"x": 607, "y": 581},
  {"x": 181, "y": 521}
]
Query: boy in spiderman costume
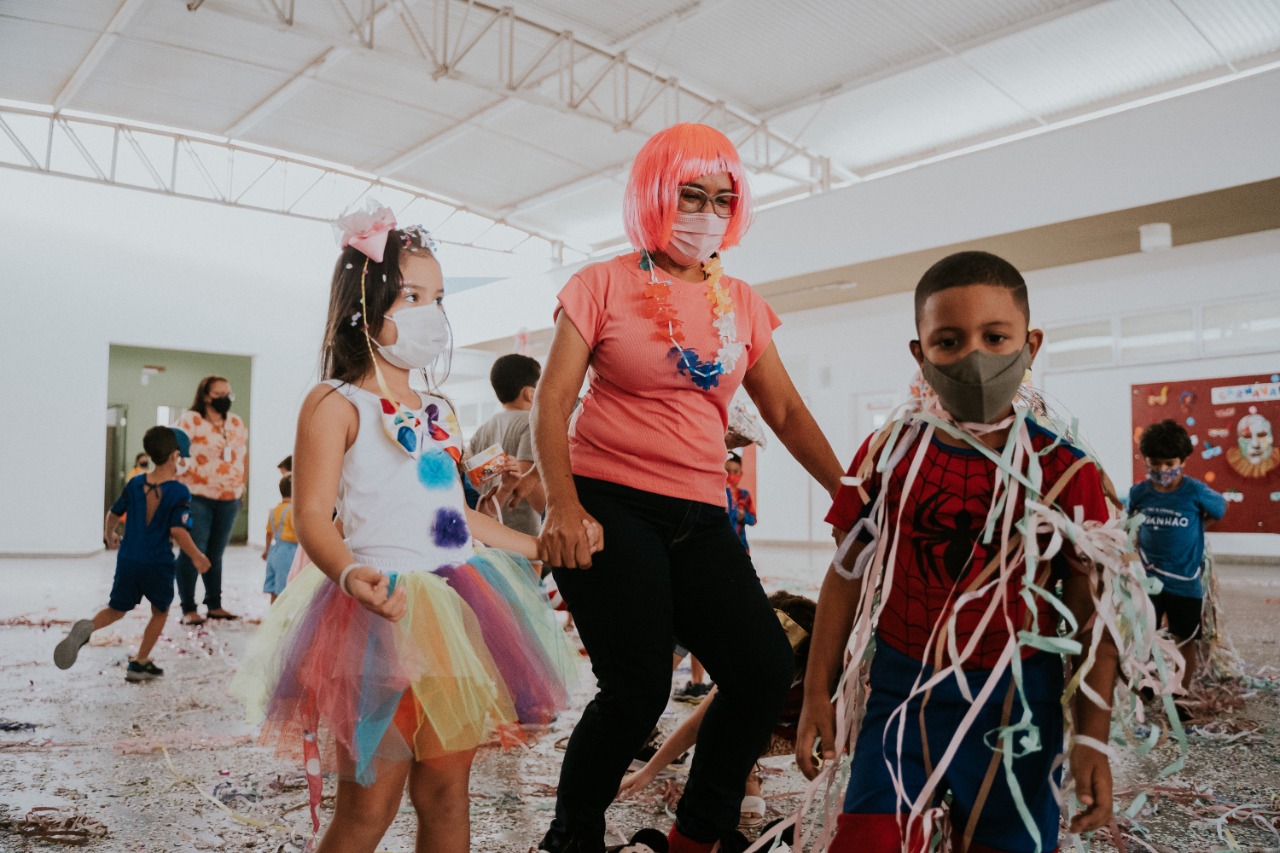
[{"x": 974, "y": 347}]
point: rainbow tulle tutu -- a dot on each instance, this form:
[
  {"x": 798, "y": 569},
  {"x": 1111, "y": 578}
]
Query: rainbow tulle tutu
[{"x": 478, "y": 650}]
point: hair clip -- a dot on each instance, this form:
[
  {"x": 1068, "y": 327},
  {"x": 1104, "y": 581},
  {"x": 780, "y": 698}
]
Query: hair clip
[
  {"x": 355, "y": 319},
  {"x": 417, "y": 235}
]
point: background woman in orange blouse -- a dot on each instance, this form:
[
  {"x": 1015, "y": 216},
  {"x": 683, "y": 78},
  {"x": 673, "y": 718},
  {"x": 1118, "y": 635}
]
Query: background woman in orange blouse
[{"x": 216, "y": 477}]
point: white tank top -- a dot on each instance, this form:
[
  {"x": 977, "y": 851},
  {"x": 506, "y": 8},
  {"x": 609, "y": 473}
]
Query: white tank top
[{"x": 402, "y": 514}]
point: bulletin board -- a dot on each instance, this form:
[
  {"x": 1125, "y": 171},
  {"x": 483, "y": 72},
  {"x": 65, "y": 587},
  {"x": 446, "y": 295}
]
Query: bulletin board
[{"x": 1230, "y": 421}]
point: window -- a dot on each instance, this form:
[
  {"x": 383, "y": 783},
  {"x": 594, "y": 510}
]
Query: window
[
  {"x": 1158, "y": 337},
  {"x": 1080, "y": 345},
  {"x": 1240, "y": 326}
]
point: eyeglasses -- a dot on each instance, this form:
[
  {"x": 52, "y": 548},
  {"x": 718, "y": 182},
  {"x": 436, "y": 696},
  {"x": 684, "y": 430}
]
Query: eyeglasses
[{"x": 695, "y": 200}]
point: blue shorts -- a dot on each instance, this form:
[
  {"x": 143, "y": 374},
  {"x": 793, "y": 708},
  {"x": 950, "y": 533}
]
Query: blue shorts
[
  {"x": 136, "y": 581},
  {"x": 279, "y": 562},
  {"x": 999, "y": 825}
]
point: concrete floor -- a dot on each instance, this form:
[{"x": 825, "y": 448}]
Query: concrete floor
[{"x": 96, "y": 742}]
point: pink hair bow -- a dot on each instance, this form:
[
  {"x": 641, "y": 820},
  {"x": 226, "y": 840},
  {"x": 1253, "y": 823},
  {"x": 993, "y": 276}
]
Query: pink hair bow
[{"x": 366, "y": 230}]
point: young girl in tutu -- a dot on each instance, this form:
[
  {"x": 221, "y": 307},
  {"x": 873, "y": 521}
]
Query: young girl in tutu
[{"x": 398, "y": 651}]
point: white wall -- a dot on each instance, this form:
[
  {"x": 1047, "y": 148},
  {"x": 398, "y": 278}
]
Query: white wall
[
  {"x": 76, "y": 281},
  {"x": 859, "y": 348}
]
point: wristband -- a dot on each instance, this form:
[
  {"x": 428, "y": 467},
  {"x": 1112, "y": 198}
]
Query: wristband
[{"x": 342, "y": 578}]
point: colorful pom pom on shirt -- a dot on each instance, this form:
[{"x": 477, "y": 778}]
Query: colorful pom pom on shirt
[
  {"x": 450, "y": 529},
  {"x": 436, "y": 470}
]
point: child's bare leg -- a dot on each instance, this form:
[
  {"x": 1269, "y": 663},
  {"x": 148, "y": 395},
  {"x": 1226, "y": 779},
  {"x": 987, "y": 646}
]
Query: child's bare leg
[
  {"x": 754, "y": 786},
  {"x": 151, "y": 633},
  {"x": 438, "y": 790},
  {"x": 696, "y": 673},
  {"x": 361, "y": 816},
  {"x": 1191, "y": 650},
  {"x": 106, "y": 616}
]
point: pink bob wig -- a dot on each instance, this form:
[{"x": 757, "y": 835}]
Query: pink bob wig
[{"x": 672, "y": 157}]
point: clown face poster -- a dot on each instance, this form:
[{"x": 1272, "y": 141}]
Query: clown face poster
[{"x": 1231, "y": 423}]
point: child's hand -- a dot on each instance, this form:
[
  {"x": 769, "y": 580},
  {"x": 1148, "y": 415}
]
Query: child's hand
[
  {"x": 369, "y": 587},
  {"x": 595, "y": 535},
  {"x": 1092, "y": 775},
  {"x": 202, "y": 563},
  {"x": 817, "y": 726},
  {"x": 264, "y": 552},
  {"x": 636, "y": 782}
]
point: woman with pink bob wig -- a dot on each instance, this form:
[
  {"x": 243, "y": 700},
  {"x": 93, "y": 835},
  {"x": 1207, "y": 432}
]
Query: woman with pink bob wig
[{"x": 636, "y": 531}]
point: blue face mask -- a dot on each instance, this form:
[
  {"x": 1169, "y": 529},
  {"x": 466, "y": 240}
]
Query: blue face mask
[{"x": 1166, "y": 477}]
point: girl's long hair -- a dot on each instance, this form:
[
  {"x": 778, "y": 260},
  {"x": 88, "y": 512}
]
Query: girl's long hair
[{"x": 345, "y": 353}]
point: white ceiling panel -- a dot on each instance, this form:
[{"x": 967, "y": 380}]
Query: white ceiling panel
[
  {"x": 1094, "y": 56},
  {"x": 608, "y": 22},
  {"x": 953, "y": 23},
  {"x": 918, "y": 112},
  {"x": 358, "y": 130},
  {"x": 226, "y": 36},
  {"x": 75, "y": 14},
  {"x": 488, "y": 170},
  {"x": 37, "y": 59},
  {"x": 1240, "y": 29},
  {"x": 169, "y": 85},
  {"x": 763, "y": 54},
  {"x": 405, "y": 80},
  {"x": 591, "y": 144}
]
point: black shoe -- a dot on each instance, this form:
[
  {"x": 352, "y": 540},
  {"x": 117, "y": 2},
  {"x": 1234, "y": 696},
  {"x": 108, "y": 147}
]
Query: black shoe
[
  {"x": 142, "y": 671},
  {"x": 693, "y": 693},
  {"x": 644, "y": 841},
  {"x": 66, "y": 652},
  {"x": 650, "y": 749}
]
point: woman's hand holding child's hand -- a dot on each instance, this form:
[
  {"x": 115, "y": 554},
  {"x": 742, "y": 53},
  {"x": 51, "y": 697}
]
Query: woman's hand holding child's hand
[
  {"x": 569, "y": 537},
  {"x": 202, "y": 563},
  {"x": 369, "y": 587}
]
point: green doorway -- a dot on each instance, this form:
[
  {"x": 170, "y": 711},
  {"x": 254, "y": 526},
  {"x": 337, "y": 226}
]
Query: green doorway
[{"x": 148, "y": 386}]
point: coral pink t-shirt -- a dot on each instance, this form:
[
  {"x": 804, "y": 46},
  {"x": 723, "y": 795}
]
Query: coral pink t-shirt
[{"x": 642, "y": 423}]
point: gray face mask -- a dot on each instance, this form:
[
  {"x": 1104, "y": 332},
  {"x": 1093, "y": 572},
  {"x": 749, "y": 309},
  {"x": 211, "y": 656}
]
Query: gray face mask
[{"x": 979, "y": 387}]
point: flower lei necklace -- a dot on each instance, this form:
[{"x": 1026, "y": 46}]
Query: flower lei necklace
[{"x": 658, "y": 307}]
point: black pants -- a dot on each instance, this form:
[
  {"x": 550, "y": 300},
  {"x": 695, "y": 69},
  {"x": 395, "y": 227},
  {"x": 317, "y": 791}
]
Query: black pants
[
  {"x": 211, "y": 523},
  {"x": 671, "y": 568}
]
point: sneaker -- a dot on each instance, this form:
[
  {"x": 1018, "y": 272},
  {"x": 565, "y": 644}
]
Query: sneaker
[
  {"x": 142, "y": 671},
  {"x": 693, "y": 693},
  {"x": 66, "y": 652}
]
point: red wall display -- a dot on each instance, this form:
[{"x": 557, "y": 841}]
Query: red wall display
[{"x": 1230, "y": 422}]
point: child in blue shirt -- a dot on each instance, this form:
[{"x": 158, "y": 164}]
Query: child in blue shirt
[
  {"x": 158, "y": 510},
  {"x": 1177, "y": 509}
]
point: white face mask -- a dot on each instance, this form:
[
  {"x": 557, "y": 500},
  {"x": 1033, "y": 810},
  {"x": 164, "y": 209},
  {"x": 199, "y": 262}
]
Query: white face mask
[
  {"x": 695, "y": 237},
  {"x": 422, "y": 333}
]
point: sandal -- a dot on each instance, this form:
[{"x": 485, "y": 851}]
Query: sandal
[
  {"x": 193, "y": 619},
  {"x": 751, "y": 813},
  {"x": 222, "y": 614}
]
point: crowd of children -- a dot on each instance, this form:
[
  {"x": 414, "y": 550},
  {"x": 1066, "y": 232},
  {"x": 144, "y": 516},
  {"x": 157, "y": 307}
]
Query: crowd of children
[{"x": 967, "y": 584}]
